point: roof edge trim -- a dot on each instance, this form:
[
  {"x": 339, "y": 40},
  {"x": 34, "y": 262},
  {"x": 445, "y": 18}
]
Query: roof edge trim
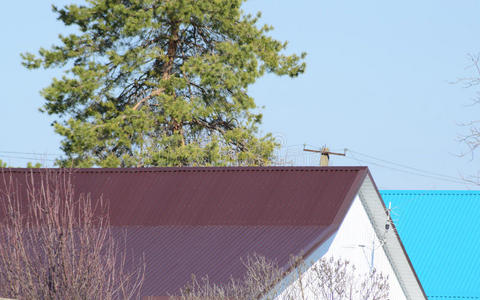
[
  {"x": 369, "y": 194},
  {"x": 190, "y": 169}
]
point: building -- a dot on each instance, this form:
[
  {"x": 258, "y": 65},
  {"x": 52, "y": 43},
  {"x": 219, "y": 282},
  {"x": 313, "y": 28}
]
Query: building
[
  {"x": 203, "y": 221},
  {"x": 441, "y": 233}
]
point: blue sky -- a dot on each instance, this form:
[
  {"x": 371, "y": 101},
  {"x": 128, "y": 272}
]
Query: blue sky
[{"x": 378, "y": 82}]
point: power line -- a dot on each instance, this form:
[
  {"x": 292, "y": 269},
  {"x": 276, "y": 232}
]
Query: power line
[
  {"x": 297, "y": 154},
  {"x": 404, "y": 166},
  {"x": 29, "y": 153},
  {"x": 26, "y": 158},
  {"x": 403, "y": 171},
  {"x": 456, "y": 180}
]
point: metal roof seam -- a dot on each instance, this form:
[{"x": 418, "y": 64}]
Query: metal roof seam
[
  {"x": 455, "y": 297},
  {"x": 190, "y": 170},
  {"x": 431, "y": 194}
]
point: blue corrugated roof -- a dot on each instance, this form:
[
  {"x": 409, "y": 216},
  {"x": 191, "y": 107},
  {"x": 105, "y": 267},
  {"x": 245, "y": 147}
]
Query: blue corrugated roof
[{"x": 441, "y": 233}]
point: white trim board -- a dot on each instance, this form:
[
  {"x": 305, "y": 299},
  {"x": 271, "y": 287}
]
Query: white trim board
[{"x": 392, "y": 245}]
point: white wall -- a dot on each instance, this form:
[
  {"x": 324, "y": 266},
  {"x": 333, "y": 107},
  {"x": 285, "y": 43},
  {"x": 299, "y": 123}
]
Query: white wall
[{"x": 355, "y": 241}]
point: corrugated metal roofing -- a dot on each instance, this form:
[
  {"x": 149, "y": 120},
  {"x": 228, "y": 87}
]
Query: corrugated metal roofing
[
  {"x": 204, "y": 220},
  {"x": 173, "y": 253},
  {"x": 441, "y": 233},
  {"x": 217, "y": 196}
]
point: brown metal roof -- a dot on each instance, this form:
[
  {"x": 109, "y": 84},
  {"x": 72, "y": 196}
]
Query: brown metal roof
[{"x": 203, "y": 220}]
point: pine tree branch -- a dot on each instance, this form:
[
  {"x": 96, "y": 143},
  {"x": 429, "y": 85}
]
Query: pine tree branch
[{"x": 154, "y": 93}]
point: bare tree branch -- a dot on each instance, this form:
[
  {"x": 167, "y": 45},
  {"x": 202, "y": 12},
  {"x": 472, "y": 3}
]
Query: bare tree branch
[
  {"x": 327, "y": 279},
  {"x": 55, "y": 245}
]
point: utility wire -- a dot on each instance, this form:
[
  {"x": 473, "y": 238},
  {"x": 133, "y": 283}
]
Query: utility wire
[
  {"x": 457, "y": 180},
  {"x": 26, "y": 158},
  {"x": 404, "y": 166},
  {"x": 29, "y": 153},
  {"x": 350, "y": 155}
]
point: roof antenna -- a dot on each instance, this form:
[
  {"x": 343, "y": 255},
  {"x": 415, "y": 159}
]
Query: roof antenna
[
  {"x": 325, "y": 154},
  {"x": 389, "y": 212},
  {"x": 392, "y": 216},
  {"x": 388, "y": 222}
]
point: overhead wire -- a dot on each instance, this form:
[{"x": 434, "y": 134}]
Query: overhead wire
[
  {"x": 26, "y": 158},
  {"x": 289, "y": 153},
  {"x": 404, "y": 166},
  {"x": 30, "y": 153},
  {"x": 453, "y": 180},
  {"x": 394, "y": 166}
]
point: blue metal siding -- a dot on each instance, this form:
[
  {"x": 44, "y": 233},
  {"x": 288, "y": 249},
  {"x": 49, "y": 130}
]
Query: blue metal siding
[{"x": 441, "y": 233}]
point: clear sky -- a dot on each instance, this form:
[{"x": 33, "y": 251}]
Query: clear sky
[{"x": 378, "y": 82}]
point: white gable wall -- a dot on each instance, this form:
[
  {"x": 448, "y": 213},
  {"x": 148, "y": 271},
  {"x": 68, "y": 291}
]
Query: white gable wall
[
  {"x": 354, "y": 242},
  {"x": 361, "y": 234},
  {"x": 357, "y": 242}
]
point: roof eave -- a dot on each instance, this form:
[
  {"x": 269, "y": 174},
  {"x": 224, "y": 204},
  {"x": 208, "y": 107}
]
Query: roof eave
[{"x": 369, "y": 194}]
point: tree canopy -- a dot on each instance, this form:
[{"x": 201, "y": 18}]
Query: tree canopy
[
  {"x": 29, "y": 165},
  {"x": 161, "y": 83}
]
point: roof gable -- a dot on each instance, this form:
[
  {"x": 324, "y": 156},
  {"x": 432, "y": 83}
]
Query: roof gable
[{"x": 441, "y": 233}]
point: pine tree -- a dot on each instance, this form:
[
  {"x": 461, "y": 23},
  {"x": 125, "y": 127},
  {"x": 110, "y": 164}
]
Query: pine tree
[{"x": 161, "y": 83}]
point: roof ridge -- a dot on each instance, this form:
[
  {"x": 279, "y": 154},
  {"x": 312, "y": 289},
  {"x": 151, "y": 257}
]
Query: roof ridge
[
  {"x": 431, "y": 193},
  {"x": 456, "y": 297},
  {"x": 193, "y": 169}
]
